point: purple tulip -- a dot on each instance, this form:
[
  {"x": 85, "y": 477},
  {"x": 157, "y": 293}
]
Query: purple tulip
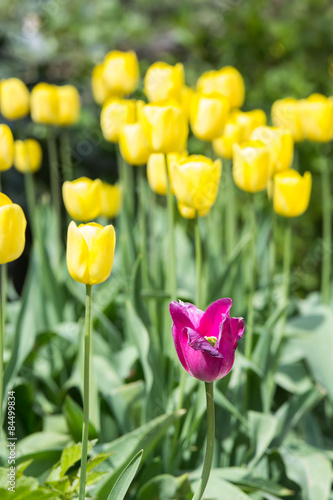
[{"x": 206, "y": 341}]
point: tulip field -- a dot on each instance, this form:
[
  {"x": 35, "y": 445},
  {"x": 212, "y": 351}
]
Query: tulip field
[{"x": 166, "y": 281}]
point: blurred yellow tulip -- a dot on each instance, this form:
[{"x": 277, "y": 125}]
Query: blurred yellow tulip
[
  {"x": 163, "y": 81},
  {"x": 69, "y": 105},
  {"x": 28, "y": 156},
  {"x": 111, "y": 200},
  {"x": 12, "y": 230},
  {"x": 90, "y": 252},
  {"x": 14, "y": 99},
  {"x": 227, "y": 82},
  {"x": 249, "y": 121},
  {"x": 185, "y": 100},
  {"x": 133, "y": 145},
  {"x": 291, "y": 193},
  {"x": 55, "y": 105},
  {"x": 223, "y": 146},
  {"x": 316, "y": 116},
  {"x": 280, "y": 145},
  {"x": 285, "y": 114},
  {"x": 156, "y": 171},
  {"x": 98, "y": 85},
  {"x": 251, "y": 166},
  {"x": 115, "y": 114},
  {"x": 6, "y": 148},
  {"x": 190, "y": 213},
  {"x": 165, "y": 126},
  {"x": 196, "y": 180},
  {"x": 83, "y": 198},
  {"x": 208, "y": 115},
  {"x": 121, "y": 72}
]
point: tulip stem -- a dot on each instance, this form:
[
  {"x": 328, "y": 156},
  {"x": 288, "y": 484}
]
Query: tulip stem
[
  {"x": 210, "y": 441},
  {"x": 198, "y": 258},
  {"x": 3, "y": 277},
  {"x": 55, "y": 186},
  {"x": 230, "y": 211},
  {"x": 87, "y": 368},
  {"x": 144, "y": 249},
  {"x": 65, "y": 154},
  {"x": 250, "y": 309},
  {"x": 171, "y": 261},
  {"x": 327, "y": 233}
]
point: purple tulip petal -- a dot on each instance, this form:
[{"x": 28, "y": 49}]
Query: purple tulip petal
[
  {"x": 237, "y": 328},
  {"x": 225, "y": 344},
  {"x": 177, "y": 341},
  {"x": 199, "y": 343},
  {"x": 211, "y": 319}
]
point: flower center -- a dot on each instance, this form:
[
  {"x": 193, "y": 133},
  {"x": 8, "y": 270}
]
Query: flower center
[{"x": 211, "y": 340}]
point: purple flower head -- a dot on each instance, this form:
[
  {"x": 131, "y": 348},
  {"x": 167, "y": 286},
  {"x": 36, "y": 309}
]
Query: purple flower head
[{"x": 206, "y": 341}]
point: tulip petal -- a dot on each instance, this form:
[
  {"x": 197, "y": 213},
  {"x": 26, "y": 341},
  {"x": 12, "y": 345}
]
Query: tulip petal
[
  {"x": 225, "y": 344},
  {"x": 77, "y": 255},
  {"x": 199, "y": 343},
  {"x": 212, "y": 318},
  {"x": 237, "y": 328},
  {"x": 101, "y": 255},
  {"x": 185, "y": 314}
]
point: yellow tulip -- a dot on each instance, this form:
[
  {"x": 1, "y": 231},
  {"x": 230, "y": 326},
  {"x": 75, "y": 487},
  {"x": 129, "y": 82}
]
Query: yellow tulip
[
  {"x": 227, "y": 82},
  {"x": 6, "y": 148},
  {"x": 121, "y": 72},
  {"x": 251, "y": 166},
  {"x": 316, "y": 115},
  {"x": 115, "y": 114},
  {"x": 249, "y": 121},
  {"x": 196, "y": 181},
  {"x": 190, "y": 213},
  {"x": 157, "y": 174},
  {"x": 69, "y": 105},
  {"x": 90, "y": 251},
  {"x": 165, "y": 126},
  {"x": 185, "y": 100},
  {"x": 98, "y": 85},
  {"x": 208, "y": 115},
  {"x": 285, "y": 114},
  {"x": 232, "y": 134},
  {"x": 28, "y": 156},
  {"x": 133, "y": 145},
  {"x": 111, "y": 200},
  {"x": 83, "y": 198},
  {"x": 12, "y": 230},
  {"x": 291, "y": 193},
  {"x": 14, "y": 99},
  {"x": 280, "y": 145},
  {"x": 44, "y": 104},
  {"x": 163, "y": 81}
]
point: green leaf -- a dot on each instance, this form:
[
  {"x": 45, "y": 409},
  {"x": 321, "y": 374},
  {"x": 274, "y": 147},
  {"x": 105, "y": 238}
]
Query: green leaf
[
  {"x": 96, "y": 460},
  {"x": 126, "y": 404},
  {"x": 218, "y": 488},
  {"x": 71, "y": 455},
  {"x": 123, "y": 482},
  {"x": 167, "y": 487},
  {"x": 223, "y": 401},
  {"x": 243, "y": 478},
  {"x": 262, "y": 428},
  {"x": 74, "y": 419}
]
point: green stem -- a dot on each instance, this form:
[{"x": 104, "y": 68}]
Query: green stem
[
  {"x": 65, "y": 155},
  {"x": 250, "y": 309},
  {"x": 230, "y": 211},
  {"x": 210, "y": 442},
  {"x": 286, "y": 268},
  {"x": 198, "y": 259},
  {"x": 327, "y": 233},
  {"x": 272, "y": 258},
  {"x": 55, "y": 185},
  {"x": 171, "y": 261},
  {"x": 2, "y": 328},
  {"x": 87, "y": 368},
  {"x": 144, "y": 247}
]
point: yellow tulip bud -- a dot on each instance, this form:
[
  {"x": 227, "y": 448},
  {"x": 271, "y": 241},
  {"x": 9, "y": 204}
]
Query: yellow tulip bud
[
  {"x": 251, "y": 166},
  {"x": 156, "y": 171},
  {"x": 115, "y": 114},
  {"x": 291, "y": 193},
  {"x": 223, "y": 146},
  {"x": 196, "y": 181},
  {"x": 90, "y": 251},
  {"x": 14, "y": 99},
  {"x": 227, "y": 82},
  {"x": 12, "y": 230},
  {"x": 208, "y": 115},
  {"x": 121, "y": 72},
  {"x": 165, "y": 126},
  {"x": 28, "y": 156},
  {"x": 285, "y": 114},
  {"x": 69, "y": 105},
  {"x": 44, "y": 104},
  {"x": 248, "y": 121},
  {"x": 133, "y": 145},
  {"x": 163, "y": 81},
  {"x": 6, "y": 148},
  {"x": 280, "y": 145},
  {"x": 98, "y": 85},
  {"x": 316, "y": 115},
  {"x": 83, "y": 198},
  {"x": 190, "y": 213},
  {"x": 111, "y": 200}
]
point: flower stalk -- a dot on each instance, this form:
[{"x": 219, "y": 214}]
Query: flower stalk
[
  {"x": 250, "y": 309},
  {"x": 327, "y": 232}
]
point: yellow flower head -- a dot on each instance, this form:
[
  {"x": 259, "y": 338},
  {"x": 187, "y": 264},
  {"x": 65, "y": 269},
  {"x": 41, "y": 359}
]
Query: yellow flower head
[
  {"x": 111, "y": 200},
  {"x": 285, "y": 114},
  {"x": 6, "y": 148},
  {"x": 83, "y": 198},
  {"x": 156, "y": 171},
  {"x": 251, "y": 166},
  {"x": 116, "y": 113},
  {"x": 121, "y": 72},
  {"x": 133, "y": 145},
  {"x": 90, "y": 251},
  {"x": 12, "y": 230},
  {"x": 163, "y": 81},
  {"x": 232, "y": 134},
  {"x": 291, "y": 193},
  {"x": 165, "y": 126},
  {"x": 98, "y": 85},
  {"x": 316, "y": 116},
  {"x": 196, "y": 180},
  {"x": 53, "y": 105},
  {"x": 280, "y": 144},
  {"x": 227, "y": 82},
  {"x": 208, "y": 115},
  {"x": 69, "y": 105},
  {"x": 28, "y": 156},
  {"x": 14, "y": 99}
]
